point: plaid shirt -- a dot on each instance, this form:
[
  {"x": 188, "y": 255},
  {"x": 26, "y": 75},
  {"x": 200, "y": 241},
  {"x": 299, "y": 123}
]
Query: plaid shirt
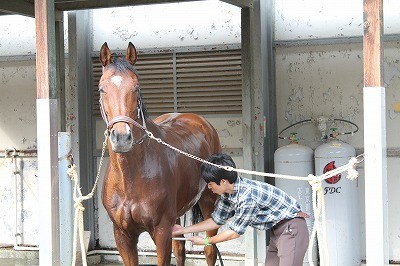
[{"x": 254, "y": 203}]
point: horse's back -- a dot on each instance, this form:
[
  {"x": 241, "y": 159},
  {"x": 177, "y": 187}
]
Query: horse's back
[
  {"x": 178, "y": 119},
  {"x": 188, "y": 125}
]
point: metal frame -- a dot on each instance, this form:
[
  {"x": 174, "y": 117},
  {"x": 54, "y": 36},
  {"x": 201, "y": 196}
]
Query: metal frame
[{"x": 81, "y": 101}]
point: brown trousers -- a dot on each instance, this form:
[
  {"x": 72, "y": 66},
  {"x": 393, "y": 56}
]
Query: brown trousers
[{"x": 288, "y": 243}]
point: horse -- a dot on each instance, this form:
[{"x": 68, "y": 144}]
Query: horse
[{"x": 148, "y": 186}]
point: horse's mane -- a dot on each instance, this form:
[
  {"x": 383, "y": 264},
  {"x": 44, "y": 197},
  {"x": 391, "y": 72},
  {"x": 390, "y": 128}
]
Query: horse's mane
[{"x": 121, "y": 65}]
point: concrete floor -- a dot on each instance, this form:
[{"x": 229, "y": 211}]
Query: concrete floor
[
  {"x": 35, "y": 262},
  {"x": 10, "y": 257}
]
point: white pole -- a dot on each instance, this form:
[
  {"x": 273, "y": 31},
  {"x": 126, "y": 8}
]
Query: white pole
[
  {"x": 376, "y": 201},
  {"x": 66, "y": 202},
  {"x": 49, "y": 240}
]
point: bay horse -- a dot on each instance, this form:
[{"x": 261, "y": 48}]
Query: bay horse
[{"x": 147, "y": 185}]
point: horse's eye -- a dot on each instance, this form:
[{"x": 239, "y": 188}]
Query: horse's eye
[{"x": 101, "y": 90}]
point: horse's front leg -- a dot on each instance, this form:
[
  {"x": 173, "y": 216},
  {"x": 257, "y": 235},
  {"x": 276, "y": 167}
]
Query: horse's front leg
[
  {"x": 127, "y": 247},
  {"x": 162, "y": 238},
  {"x": 178, "y": 247}
]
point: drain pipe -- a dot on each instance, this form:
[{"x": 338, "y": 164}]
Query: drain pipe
[
  {"x": 15, "y": 172},
  {"x": 154, "y": 254}
]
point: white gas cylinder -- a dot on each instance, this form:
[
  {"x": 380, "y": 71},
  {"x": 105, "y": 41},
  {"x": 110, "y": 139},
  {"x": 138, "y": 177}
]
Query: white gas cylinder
[
  {"x": 297, "y": 160},
  {"x": 341, "y": 204}
]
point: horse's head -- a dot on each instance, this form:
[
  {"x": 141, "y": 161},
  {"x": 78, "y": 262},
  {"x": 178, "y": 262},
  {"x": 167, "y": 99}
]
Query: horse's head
[{"x": 120, "y": 100}]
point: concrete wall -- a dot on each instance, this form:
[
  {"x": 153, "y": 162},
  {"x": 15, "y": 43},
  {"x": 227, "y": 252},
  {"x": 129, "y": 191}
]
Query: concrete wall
[
  {"x": 18, "y": 129},
  {"x": 314, "y": 19},
  {"x": 167, "y": 25}
]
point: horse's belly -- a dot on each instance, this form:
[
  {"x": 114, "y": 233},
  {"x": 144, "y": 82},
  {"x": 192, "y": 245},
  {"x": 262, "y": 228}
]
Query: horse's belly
[{"x": 192, "y": 201}]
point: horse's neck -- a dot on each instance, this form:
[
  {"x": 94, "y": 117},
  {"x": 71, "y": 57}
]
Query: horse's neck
[
  {"x": 155, "y": 129},
  {"x": 125, "y": 168}
]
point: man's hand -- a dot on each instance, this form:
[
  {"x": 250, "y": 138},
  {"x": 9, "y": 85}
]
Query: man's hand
[
  {"x": 177, "y": 230},
  {"x": 196, "y": 240},
  {"x": 205, "y": 225},
  {"x": 302, "y": 214}
]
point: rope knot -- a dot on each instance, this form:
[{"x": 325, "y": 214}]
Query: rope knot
[
  {"x": 314, "y": 182},
  {"x": 79, "y": 206},
  {"x": 352, "y": 173},
  {"x": 71, "y": 171},
  {"x": 353, "y": 161}
]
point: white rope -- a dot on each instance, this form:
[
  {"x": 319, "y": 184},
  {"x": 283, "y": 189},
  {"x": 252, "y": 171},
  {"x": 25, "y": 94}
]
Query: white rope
[
  {"x": 4, "y": 159},
  {"x": 7, "y": 155},
  {"x": 317, "y": 195},
  {"x": 79, "y": 209},
  {"x": 250, "y": 172}
]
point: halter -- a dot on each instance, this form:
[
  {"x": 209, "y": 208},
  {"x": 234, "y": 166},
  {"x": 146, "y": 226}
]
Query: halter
[{"x": 126, "y": 119}]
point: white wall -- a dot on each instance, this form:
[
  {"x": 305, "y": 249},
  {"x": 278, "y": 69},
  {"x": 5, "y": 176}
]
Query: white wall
[
  {"x": 167, "y": 25},
  {"x": 17, "y": 104},
  {"x": 313, "y": 19},
  {"x": 18, "y": 35},
  {"x": 18, "y": 130},
  {"x": 320, "y": 80}
]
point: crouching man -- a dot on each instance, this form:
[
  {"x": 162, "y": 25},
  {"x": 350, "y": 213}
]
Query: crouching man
[{"x": 243, "y": 202}]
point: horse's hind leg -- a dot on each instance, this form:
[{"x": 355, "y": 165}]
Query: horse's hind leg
[
  {"x": 178, "y": 247},
  {"x": 127, "y": 247},
  {"x": 206, "y": 204}
]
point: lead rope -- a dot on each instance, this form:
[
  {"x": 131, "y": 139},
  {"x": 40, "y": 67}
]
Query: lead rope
[
  {"x": 318, "y": 196},
  {"x": 78, "y": 199}
]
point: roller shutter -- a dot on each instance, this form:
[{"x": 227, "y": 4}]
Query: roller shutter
[{"x": 205, "y": 82}]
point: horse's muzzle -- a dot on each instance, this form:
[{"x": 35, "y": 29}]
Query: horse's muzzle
[{"x": 121, "y": 141}]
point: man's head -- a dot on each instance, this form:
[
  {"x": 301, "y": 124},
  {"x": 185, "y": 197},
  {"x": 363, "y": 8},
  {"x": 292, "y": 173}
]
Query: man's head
[{"x": 212, "y": 173}]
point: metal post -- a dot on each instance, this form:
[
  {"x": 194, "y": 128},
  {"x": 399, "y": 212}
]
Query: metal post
[
  {"x": 66, "y": 202},
  {"x": 49, "y": 240},
  {"x": 376, "y": 201},
  {"x": 254, "y": 86},
  {"x": 47, "y": 127}
]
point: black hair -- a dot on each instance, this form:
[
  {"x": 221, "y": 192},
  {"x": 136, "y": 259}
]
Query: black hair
[
  {"x": 215, "y": 174},
  {"x": 120, "y": 65}
]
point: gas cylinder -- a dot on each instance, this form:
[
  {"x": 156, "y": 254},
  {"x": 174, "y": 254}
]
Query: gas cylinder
[
  {"x": 297, "y": 160},
  {"x": 341, "y": 203}
]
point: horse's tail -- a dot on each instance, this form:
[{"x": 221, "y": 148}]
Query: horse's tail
[{"x": 197, "y": 216}]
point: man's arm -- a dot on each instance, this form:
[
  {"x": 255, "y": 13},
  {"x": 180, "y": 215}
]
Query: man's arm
[
  {"x": 221, "y": 237},
  {"x": 205, "y": 225}
]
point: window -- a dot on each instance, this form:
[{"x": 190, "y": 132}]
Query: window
[{"x": 202, "y": 82}]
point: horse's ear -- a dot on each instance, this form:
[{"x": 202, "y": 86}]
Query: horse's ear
[
  {"x": 105, "y": 55},
  {"x": 131, "y": 54}
]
